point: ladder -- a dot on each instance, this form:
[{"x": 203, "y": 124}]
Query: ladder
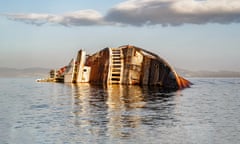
[{"x": 116, "y": 66}]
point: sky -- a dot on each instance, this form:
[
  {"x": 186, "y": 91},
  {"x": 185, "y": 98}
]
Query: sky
[{"x": 188, "y": 34}]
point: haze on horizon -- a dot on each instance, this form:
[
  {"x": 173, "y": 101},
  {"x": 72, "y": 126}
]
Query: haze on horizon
[{"x": 189, "y": 34}]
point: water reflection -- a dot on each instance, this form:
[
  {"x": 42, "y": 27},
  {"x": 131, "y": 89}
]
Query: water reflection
[
  {"x": 120, "y": 110},
  {"x": 62, "y": 113},
  {"x": 124, "y": 97},
  {"x": 123, "y": 102}
]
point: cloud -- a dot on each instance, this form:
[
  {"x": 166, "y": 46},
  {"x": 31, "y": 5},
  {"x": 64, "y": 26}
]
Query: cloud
[
  {"x": 145, "y": 12},
  {"x": 175, "y": 12},
  {"x": 77, "y": 18},
  {"x": 37, "y": 19}
]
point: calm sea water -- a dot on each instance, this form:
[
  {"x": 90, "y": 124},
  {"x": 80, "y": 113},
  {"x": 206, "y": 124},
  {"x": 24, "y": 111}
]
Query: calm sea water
[{"x": 30, "y": 112}]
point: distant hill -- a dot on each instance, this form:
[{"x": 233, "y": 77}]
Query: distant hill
[
  {"x": 188, "y": 73},
  {"x": 27, "y": 72},
  {"x": 44, "y": 72}
]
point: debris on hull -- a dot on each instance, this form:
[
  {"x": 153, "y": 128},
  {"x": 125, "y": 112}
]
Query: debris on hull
[{"x": 125, "y": 65}]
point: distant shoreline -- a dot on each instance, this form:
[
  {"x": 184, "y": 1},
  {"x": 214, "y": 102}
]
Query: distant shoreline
[
  {"x": 44, "y": 72},
  {"x": 188, "y": 73}
]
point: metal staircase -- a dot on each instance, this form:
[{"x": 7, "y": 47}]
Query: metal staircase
[{"x": 116, "y": 66}]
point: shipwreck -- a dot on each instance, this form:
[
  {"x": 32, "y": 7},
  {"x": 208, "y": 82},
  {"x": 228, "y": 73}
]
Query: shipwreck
[{"x": 125, "y": 65}]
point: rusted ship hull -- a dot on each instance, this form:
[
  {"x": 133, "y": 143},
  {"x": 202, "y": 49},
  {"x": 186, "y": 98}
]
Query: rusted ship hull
[{"x": 126, "y": 65}]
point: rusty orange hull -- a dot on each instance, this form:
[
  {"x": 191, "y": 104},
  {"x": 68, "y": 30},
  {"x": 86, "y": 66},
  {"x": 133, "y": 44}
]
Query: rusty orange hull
[
  {"x": 131, "y": 65},
  {"x": 125, "y": 65}
]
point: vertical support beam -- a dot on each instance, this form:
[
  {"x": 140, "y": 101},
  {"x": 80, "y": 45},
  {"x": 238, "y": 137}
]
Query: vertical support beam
[
  {"x": 80, "y": 62},
  {"x": 145, "y": 71},
  {"x": 69, "y": 75}
]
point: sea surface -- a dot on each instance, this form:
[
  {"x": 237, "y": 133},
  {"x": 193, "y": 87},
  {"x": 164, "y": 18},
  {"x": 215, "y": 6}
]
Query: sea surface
[{"x": 49, "y": 113}]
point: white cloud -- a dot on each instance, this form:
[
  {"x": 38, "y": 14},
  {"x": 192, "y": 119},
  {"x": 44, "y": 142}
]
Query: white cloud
[
  {"x": 83, "y": 17},
  {"x": 33, "y": 18},
  {"x": 78, "y": 18},
  {"x": 175, "y": 12},
  {"x": 146, "y": 12}
]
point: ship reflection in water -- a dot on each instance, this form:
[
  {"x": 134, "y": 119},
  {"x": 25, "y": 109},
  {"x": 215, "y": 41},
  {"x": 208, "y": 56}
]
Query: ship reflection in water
[
  {"x": 49, "y": 113},
  {"x": 121, "y": 111}
]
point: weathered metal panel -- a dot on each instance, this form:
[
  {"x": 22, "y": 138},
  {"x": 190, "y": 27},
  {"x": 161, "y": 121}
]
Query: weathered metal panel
[
  {"x": 86, "y": 74},
  {"x": 81, "y": 62},
  {"x": 127, "y": 52},
  {"x": 99, "y": 64},
  {"x": 137, "y": 59},
  {"x": 133, "y": 66},
  {"x": 154, "y": 72},
  {"x": 145, "y": 71}
]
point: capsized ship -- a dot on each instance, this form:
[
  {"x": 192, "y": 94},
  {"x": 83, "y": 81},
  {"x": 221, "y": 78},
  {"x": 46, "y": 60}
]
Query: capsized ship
[{"x": 125, "y": 65}]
